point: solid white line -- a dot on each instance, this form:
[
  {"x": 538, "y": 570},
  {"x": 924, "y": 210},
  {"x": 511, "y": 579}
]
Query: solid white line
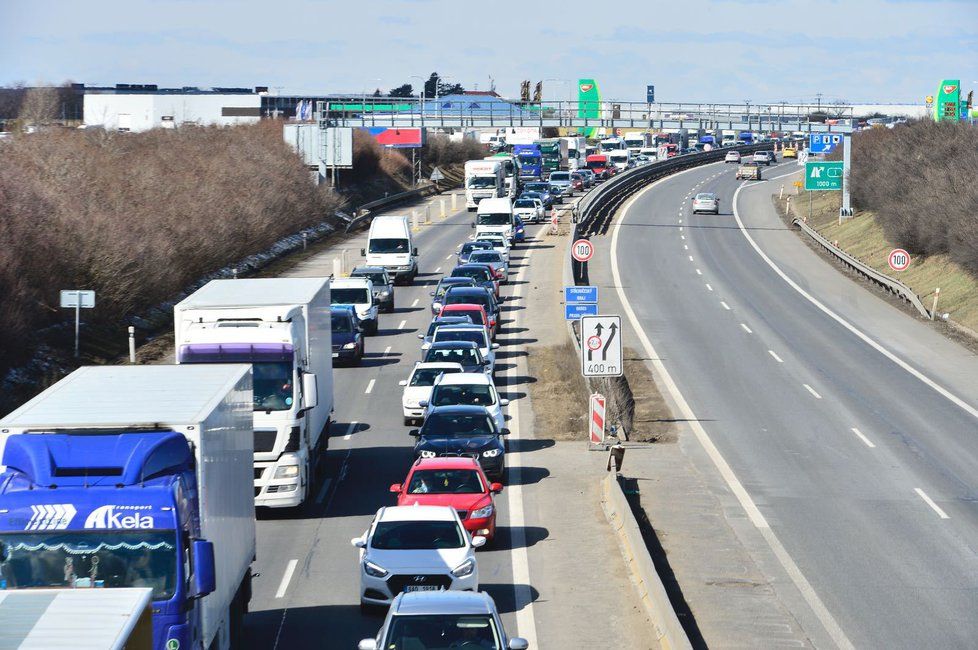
[
  {"x": 747, "y": 329},
  {"x": 954, "y": 399},
  {"x": 401, "y": 326},
  {"x": 776, "y": 357},
  {"x": 323, "y": 490},
  {"x": 708, "y": 286},
  {"x": 698, "y": 272},
  {"x": 869, "y": 443},
  {"x": 725, "y": 305},
  {"x": 350, "y": 429},
  {"x": 415, "y": 303},
  {"x": 437, "y": 269},
  {"x": 736, "y": 487},
  {"x": 370, "y": 386},
  {"x": 930, "y": 502},
  {"x": 387, "y": 350},
  {"x": 286, "y": 579},
  {"x": 812, "y": 391}
]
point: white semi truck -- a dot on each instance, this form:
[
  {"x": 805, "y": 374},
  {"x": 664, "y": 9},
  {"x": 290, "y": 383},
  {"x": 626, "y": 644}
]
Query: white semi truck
[
  {"x": 282, "y": 327},
  {"x": 484, "y": 179}
]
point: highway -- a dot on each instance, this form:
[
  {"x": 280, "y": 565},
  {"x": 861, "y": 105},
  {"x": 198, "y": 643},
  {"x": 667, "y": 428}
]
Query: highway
[{"x": 857, "y": 462}]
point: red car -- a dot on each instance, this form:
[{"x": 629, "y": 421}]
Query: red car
[
  {"x": 476, "y": 312},
  {"x": 457, "y": 482}
]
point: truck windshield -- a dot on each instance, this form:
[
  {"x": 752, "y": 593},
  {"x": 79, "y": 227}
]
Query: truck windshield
[
  {"x": 443, "y": 631},
  {"x": 494, "y": 219},
  {"x": 388, "y": 246},
  {"x": 271, "y": 368},
  {"x": 272, "y": 386},
  {"x": 596, "y": 164},
  {"x": 350, "y": 296},
  {"x": 99, "y": 558},
  {"x": 482, "y": 182},
  {"x": 529, "y": 159}
]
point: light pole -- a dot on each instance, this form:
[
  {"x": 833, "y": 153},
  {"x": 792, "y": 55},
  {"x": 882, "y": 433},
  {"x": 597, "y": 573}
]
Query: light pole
[
  {"x": 570, "y": 91},
  {"x": 422, "y": 80}
]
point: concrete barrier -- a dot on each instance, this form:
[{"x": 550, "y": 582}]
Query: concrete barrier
[{"x": 652, "y": 594}]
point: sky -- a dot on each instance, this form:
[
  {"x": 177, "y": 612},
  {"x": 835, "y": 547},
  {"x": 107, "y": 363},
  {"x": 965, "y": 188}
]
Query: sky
[{"x": 691, "y": 50}]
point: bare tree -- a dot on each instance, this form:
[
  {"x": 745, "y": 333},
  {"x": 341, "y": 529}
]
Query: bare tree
[{"x": 41, "y": 105}]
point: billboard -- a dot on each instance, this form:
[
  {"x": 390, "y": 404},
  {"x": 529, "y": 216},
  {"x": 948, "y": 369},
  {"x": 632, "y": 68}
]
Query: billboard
[
  {"x": 588, "y": 103},
  {"x": 398, "y": 138},
  {"x": 338, "y": 147},
  {"x": 948, "y": 104}
]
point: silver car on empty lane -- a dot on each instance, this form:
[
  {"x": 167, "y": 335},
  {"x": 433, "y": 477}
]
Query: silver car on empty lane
[{"x": 706, "y": 202}]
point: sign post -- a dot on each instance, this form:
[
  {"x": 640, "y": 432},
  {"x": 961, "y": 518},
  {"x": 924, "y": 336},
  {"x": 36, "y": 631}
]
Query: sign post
[
  {"x": 78, "y": 299},
  {"x": 601, "y": 350}
]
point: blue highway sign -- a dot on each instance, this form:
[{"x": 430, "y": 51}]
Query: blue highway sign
[
  {"x": 580, "y": 294},
  {"x": 823, "y": 142},
  {"x": 573, "y": 311}
]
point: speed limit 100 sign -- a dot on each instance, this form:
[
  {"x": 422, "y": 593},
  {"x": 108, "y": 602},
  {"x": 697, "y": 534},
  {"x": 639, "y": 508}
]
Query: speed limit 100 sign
[
  {"x": 899, "y": 259},
  {"x": 582, "y": 250}
]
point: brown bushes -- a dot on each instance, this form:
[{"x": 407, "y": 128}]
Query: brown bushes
[
  {"x": 919, "y": 179},
  {"x": 138, "y": 217}
]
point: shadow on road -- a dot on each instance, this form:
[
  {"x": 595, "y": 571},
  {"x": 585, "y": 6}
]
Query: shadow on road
[
  {"x": 526, "y": 445},
  {"x": 505, "y": 537},
  {"x": 527, "y": 476}
]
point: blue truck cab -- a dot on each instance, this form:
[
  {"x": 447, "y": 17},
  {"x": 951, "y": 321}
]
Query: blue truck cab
[
  {"x": 530, "y": 160},
  {"x": 91, "y": 511}
]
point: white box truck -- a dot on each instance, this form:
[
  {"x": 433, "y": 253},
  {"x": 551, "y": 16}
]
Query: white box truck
[
  {"x": 484, "y": 179},
  {"x": 282, "y": 327},
  {"x": 136, "y": 476},
  {"x": 390, "y": 244},
  {"x": 576, "y": 146}
]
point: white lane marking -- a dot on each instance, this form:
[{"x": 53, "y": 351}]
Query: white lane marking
[
  {"x": 323, "y": 490},
  {"x": 936, "y": 508},
  {"x": 680, "y": 228},
  {"x": 437, "y": 269},
  {"x": 812, "y": 391},
  {"x": 350, "y": 429},
  {"x": 708, "y": 286},
  {"x": 449, "y": 257},
  {"x": 859, "y": 434},
  {"x": 685, "y": 247},
  {"x": 370, "y": 386},
  {"x": 725, "y": 305},
  {"x": 776, "y": 357},
  {"x": 690, "y": 258},
  {"x": 286, "y": 579},
  {"x": 736, "y": 487},
  {"x": 683, "y": 237},
  {"x": 698, "y": 272},
  {"x": 415, "y": 303},
  {"x": 387, "y": 350},
  {"x": 954, "y": 399},
  {"x": 401, "y": 326},
  {"x": 747, "y": 329},
  {"x": 680, "y": 221}
]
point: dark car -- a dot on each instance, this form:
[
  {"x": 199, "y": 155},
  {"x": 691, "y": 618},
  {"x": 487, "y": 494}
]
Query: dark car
[
  {"x": 347, "y": 335},
  {"x": 519, "y": 231},
  {"x": 383, "y": 285},
  {"x": 480, "y": 273},
  {"x": 546, "y": 199},
  {"x": 476, "y": 296},
  {"x": 443, "y": 285},
  {"x": 463, "y": 431},
  {"x": 470, "y": 247},
  {"x": 464, "y": 353},
  {"x": 544, "y": 189}
]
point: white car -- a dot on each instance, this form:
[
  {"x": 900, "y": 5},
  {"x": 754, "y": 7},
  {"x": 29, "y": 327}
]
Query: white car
[
  {"x": 732, "y": 156},
  {"x": 478, "y": 334},
  {"x": 415, "y": 548},
  {"x": 530, "y": 210},
  {"x": 468, "y": 389},
  {"x": 762, "y": 158},
  {"x": 499, "y": 243},
  {"x": 417, "y": 387}
]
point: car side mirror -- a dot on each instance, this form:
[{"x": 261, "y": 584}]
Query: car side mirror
[
  {"x": 363, "y": 252},
  {"x": 205, "y": 575},
  {"x": 421, "y": 336},
  {"x": 478, "y": 541},
  {"x": 495, "y": 346},
  {"x": 371, "y": 644},
  {"x": 414, "y": 251},
  {"x": 310, "y": 391},
  {"x": 395, "y": 488},
  {"x": 414, "y": 433},
  {"x": 358, "y": 542},
  {"x": 516, "y": 643},
  {"x": 504, "y": 432},
  {"x": 431, "y": 293},
  {"x": 496, "y": 488},
  {"x": 423, "y": 403},
  {"x": 472, "y": 225},
  {"x": 503, "y": 401},
  {"x": 403, "y": 382}
]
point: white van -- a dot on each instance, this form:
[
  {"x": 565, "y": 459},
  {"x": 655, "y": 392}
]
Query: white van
[
  {"x": 620, "y": 158},
  {"x": 358, "y": 292},
  {"x": 391, "y": 245},
  {"x": 495, "y": 216}
]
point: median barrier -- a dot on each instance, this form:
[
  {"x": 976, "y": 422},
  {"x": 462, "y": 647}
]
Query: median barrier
[{"x": 668, "y": 630}]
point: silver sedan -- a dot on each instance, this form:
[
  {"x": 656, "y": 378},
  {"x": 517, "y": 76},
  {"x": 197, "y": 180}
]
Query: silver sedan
[{"x": 706, "y": 202}]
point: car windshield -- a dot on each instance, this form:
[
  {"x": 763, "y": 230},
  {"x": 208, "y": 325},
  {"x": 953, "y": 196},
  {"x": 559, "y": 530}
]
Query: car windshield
[
  {"x": 445, "y": 481},
  {"x": 524, "y": 203},
  {"x": 342, "y": 323},
  {"x": 97, "y": 558},
  {"x": 272, "y": 386},
  {"x": 475, "y": 336},
  {"x": 417, "y": 535},
  {"x": 377, "y": 278},
  {"x": 457, "y": 297},
  {"x": 443, "y": 631},
  {"x": 481, "y": 182},
  {"x": 538, "y": 187},
  {"x": 427, "y": 376},
  {"x": 455, "y": 319},
  {"x": 445, "y": 286},
  {"x": 458, "y": 425},
  {"x": 596, "y": 164},
  {"x": 349, "y": 296},
  {"x": 500, "y": 219},
  {"x": 465, "y": 357},
  {"x": 470, "y": 246},
  {"x": 559, "y": 176},
  {"x": 479, "y": 275},
  {"x": 388, "y": 246},
  {"x": 486, "y": 256},
  {"x": 463, "y": 395}
]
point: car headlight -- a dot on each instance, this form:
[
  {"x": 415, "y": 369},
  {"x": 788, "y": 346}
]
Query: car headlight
[
  {"x": 464, "y": 569},
  {"x": 287, "y": 471},
  {"x": 481, "y": 513},
  {"x": 427, "y": 454},
  {"x": 350, "y": 345},
  {"x": 491, "y": 453},
  {"x": 374, "y": 570}
]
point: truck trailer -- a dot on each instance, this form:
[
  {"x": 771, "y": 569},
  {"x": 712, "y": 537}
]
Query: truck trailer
[
  {"x": 280, "y": 326},
  {"x": 136, "y": 476}
]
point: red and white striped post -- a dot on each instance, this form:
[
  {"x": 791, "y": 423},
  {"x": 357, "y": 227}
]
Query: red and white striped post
[{"x": 597, "y": 419}]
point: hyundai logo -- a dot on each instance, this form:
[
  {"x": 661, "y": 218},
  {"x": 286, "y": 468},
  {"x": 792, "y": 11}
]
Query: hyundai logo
[{"x": 420, "y": 578}]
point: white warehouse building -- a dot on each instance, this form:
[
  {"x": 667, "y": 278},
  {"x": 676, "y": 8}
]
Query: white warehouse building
[{"x": 140, "y": 108}]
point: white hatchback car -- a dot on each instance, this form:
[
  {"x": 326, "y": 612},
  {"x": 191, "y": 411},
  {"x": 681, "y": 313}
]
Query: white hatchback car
[
  {"x": 468, "y": 389},
  {"x": 417, "y": 387},
  {"x": 498, "y": 242},
  {"x": 415, "y": 548},
  {"x": 732, "y": 156}
]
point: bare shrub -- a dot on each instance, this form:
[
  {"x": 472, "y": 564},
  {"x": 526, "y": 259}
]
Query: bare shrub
[{"x": 41, "y": 105}]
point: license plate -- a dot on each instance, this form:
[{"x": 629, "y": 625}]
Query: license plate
[{"x": 422, "y": 588}]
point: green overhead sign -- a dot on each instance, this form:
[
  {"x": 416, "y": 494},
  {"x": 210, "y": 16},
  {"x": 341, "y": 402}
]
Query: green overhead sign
[{"x": 824, "y": 175}]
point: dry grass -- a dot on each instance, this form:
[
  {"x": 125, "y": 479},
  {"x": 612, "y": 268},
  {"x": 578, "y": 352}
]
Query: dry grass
[
  {"x": 556, "y": 388},
  {"x": 652, "y": 419}
]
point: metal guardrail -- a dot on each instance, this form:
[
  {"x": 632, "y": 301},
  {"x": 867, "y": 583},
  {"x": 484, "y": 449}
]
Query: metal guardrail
[
  {"x": 890, "y": 284},
  {"x": 365, "y": 212}
]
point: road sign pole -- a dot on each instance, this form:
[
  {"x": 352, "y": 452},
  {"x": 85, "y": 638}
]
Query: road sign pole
[
  {"x": 846, "y": 209},
  {"x": 77, "y": 320}
]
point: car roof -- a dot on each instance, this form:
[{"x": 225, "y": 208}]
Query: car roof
[
  {"x": 437, "y": 365},
  {"x": 367, "y": 269},
  {"x": 460, "y": 409},
  {"x": 442, "y": 345},
  {"x": 419, "y": 603},
  {"x": 415, "y": 513},
  {"x": 467, "y": 378},
  {"x": 447, "y": 462}
]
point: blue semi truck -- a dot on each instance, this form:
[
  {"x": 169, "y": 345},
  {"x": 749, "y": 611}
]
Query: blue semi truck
[
  {"x": 530, "y": 161},
  {"x": 137, "y": 476}
]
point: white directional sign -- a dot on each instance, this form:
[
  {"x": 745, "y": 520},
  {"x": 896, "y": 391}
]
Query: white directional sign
[{"x": 601, "y": 346}]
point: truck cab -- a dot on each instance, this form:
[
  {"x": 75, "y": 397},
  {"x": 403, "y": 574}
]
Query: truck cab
[
  {"x": 530, "y": 161},
  {"x": 621, "y": 159},
  {"x": 495, "y": 216},
  {"x": 600, "y": 165},
  {"x": 484, "y": 179}
]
